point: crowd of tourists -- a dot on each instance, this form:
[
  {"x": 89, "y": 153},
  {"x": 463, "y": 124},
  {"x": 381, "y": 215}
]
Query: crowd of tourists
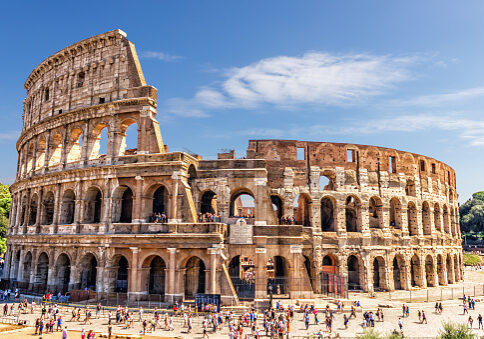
[
  {"x": 158, "y": 218},
  {"x": 209, "y": 217}
]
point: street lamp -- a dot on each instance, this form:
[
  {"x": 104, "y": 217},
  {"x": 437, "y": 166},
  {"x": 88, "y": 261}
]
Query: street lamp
[{"x": 270, "y": 295}]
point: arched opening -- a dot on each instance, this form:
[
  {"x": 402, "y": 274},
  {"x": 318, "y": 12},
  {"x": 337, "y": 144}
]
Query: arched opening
[
  {"x": 48, "y": 206},
  {"x": 122, "y": 208},
  {"x": 353, "y": 273},
  {"x": 379, "y": 283},
  {"x": 429, "y": 271},
  {"x": 397, "y": 274},
  {"x": 194, "y": 277},
  {"x": 74, "y": 151},
  {"x": 446, "y": 220},
  {"x": 41, "y": 147},
  {"x": 62, "y": 273},
  {"x": 68, "y": 207},
  {"x": 395, "y": 213},
  {"x": 375, "y": 211},
  {"x": 56, "y": 150},
  {"x": 27, "y": 268},
  {"x": 437, "y": 220},
  {"x": 208, "y": 203},
  {"x": 242, "y": 274},
  {"x": 456, "y": 269},
  {"x": 23, "y": 215},
  {"x": 302, "y": 209},
  {"x": 277, "y": 275},
  {"x": 129, "y": 137},
  {"x": 15, "y": 264},
  {"x": 160, "y": 201},
  {"x": 88, "y": 272},
  {"x": 42, "y": 273},
  {"x": 242, "y": 204},
  {"x": 277, "y": 208},
  {"x": 329, "y": 264},
  {"x": 156, "y": 280},
  {"x": 352, "y": 214},
  {"x": 412, "y": 219},
  {"x": 93, "y": 205},
  {"x": 98, "y": 142},
  {"x": 441, "y": 270},
  {"x": 453, "y": 223},
  {"x": 33, "y": 209},
  {"x": 426, "y": 224},
  {"x": 30, "y": 159},
  {"x": 416, "y": 279},
  {"x": 450, "y": 272},
  {"x": 410, "y": 188},
  {"x": 307, "y": 266},
  {"x": 327, "y": 215},
  {"x": 122, "y": 275},
  {"x": 192, "y": 175},
  {"x": 325, "y": 183}
]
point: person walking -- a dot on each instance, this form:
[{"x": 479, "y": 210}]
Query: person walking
[
  {"x": 470, "y": 321},
  {"x": 424, "y": 317},
  {"x": 400, "y": 326},
  {"x": 64, "y": 333}
]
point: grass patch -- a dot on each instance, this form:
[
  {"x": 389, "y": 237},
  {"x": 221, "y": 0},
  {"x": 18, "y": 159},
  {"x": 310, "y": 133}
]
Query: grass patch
[{"x": 472, "y": 259}]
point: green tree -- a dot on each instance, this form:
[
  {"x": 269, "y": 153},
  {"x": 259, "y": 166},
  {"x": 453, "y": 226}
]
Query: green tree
[{"x": 5, "y": 202}]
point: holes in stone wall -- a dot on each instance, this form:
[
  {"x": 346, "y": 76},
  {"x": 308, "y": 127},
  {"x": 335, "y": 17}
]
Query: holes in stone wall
[
  {"x": 301, "y": 153},
  {"x": 392, "y": 164}
]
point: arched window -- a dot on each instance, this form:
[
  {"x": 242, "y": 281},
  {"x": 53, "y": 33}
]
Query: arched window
[
  {"x": 426, "y": 224},
  {"x": 277, "y": 208},
  {"x": 395, "y": 213},
  {"x": 208, "y": 203},
  {"x": 74, "y": 151},
  {"x": 93, "y": 205},
  {"x": 48, "y": 205},
  {"x": 302, "y": 209},
  {"x": 194, "y": 277},
  {"x": 325, "y": 183},
  {"x": 353, "y": 273},
  {"x": 160, "y": 200},
  {"x": 30, "y": 159},
  {"x": 122, "y": 275},
  {"x": 33, "y": 209},
  {"x": 352, "y": 214},
  {"x": 68, "y": 207},
  {"x": 375, "y": 211},
  {"x": 98, "y": 141},
  {"x": 40, "y": 157},
  {"x": 56, "y": 150},
  {"x": 412, "y": 219},
  {"x": 42, "y": 273},
  {"x": 62, "y": 273},
  {"x": 437, "y": 218},
  {"x": 122, "y": 204},
  {"x": 327, "y": 215},
  {"x": 129, "y": 137},
  {"x": 242, "y": 204},
  {"x": 88, "y": 272}
]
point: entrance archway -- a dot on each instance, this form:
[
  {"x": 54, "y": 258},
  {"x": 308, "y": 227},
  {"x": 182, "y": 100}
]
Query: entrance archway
[
  {"x": 42, "y": 273},
  {"x": 242, "y": 275},
  {"x": 429, "y": 271},
  {"x": 194, "y": 277},
  {"x": 122, "y": 275},
  {"x": 329, "y": 264},
  {"x": 68, "y": 207},
  {"x": 48, "y": 214},
  {"x": 93, "y": 205},
  {"x": 302, "y": 209},
  {"x": 415, "y": 274},
  {"x": 440, "y": 270},
  {"x": 379, "y": 281},
  {"x": 353, "y": 273},
  {"x": 62, "y": 272},
  {"x": 397, "y": 274},
  {"x": 327, "y": 215},
  {"x": 208, "y": 203},
  {"x": 242, "y": 204},
  {"x": 277, "y": 208},
  {"x": 160, "y": 200},
  {"x": 156, "y": 282},
  {"x": 352, "y": 214},
  {"x": 277, "y": 274},
  {"x": 27, "y": 268},
  {"x": 88, "y": 272}
]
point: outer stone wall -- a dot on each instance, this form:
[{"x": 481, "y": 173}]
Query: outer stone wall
[{"x": 147, "y": 221}]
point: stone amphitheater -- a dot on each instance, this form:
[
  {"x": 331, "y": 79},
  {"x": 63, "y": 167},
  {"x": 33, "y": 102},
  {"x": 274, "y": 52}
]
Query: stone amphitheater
[{"x": 90, "y": 213}]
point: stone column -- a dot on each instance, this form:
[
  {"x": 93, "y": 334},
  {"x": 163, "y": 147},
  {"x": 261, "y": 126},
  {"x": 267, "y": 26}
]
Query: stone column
[
  {"x": 8, "y": 263},
  {"x": 57, "y": 208},
  {"x": 260, "y": 273},
  {"x": 173, "y": 215},
  {"x": 300, "y": 286},
  {"x": 133, "y": 285},
  {"x": 47, "y": 151},
  {"x": 261, "y": 201},
  {"x": 107, "y": 208},
  {"x": 170, "y": 286},
  {"x": 213, "y": 269},
  {"x": 20, "y": 264},
  {"x": 138, "y": 201},
  {"x": 340, "y": 218},
  {"x": 85, "y": 144}
]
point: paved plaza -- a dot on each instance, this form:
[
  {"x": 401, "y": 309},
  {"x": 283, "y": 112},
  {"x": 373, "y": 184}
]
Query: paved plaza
[{"x": 392, "y": 310}]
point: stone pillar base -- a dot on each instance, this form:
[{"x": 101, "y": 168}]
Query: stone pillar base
[
  {"x": 261, "y": 304},
  {"x": 301, "y": 294},
  {"x": 171, "y": 298}
]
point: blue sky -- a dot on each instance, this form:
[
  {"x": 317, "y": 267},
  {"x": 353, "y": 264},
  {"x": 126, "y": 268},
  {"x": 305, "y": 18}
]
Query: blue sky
[{"x": 407, "y": 75}]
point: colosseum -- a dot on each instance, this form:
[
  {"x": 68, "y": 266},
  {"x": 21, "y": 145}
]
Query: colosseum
[{"x": 281, "y": 219}]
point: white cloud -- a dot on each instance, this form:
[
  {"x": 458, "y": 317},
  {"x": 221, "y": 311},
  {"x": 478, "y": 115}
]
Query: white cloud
[
  {"x": 435, "y": 100},
  {"x": 11, "y": 135},
  {"x": 159, "y": 55},
  {"x": 314, "y": 78}
]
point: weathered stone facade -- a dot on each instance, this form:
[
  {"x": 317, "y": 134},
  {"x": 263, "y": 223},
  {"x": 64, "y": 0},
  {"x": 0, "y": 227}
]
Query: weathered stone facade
[{"x": 82, "y": 218}]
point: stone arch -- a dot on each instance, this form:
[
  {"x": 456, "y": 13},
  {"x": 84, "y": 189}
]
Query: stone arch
[
  {"x": 277, "y": 275},
  {"x": 160, "y": 200},
  {"x": 450, "y": 271},
  {"x": 412, "y": 219},
  {"x": 88, "y": 271},
  {"x": 208, "y": 202},
  {"x": 74, "y": 147},
  {"x": 445, "y": 217},
  {"x": 416, "y": 279},
  {"x": 330, "y": 264},
  {"x": 456, "y": 269},
  {"x": 430, "y": 271},
  {"x": 441, "y": 270},
  {"x": 42, "y": 272},
  {"x": 68, "y": 207},
  {"x": 353, "y": 214},
  {"x": 93, "y": 205},
  {"x": 326, "y": 183},
  {"x": 410, "y": 188},
  {"x": 40, "y": 155},
  {"x": 453, "y": 223},
  {"x": 121, "y": 269},
  {"x": 375, "y": 212},
  {"x": 15, "y": 262},
  {"x": 30, "y": 158},
  {"x": 23, "y": 212},
  {"x": 27, "y": 267},
  {"x": 154, "y": 275},
  {"x": 34, "y": 203},
  {"x": 395, "y": 213},
  {"x": 48, "y": 208},
  {"x": 242, "y": 203},
  {"x": 122, "y": 208},
  {"x": 194, "y": 277},
  {"x": 56, "y": 150},
  {"x": 128, "y": 128},
  {"x": 62, "y": 272},
  {"x": 192, "y": 175},
  {"x": 426, "y": 223},
  {"x": 328, "y": 214},
  {"x": 354, "y": 272},
  {"x": 302, "y": 209},
  {"x": 399, "y": 277},
  {"x": 437, "y": 219},
  {"x": 379, "y": 273},
  {"x": 97, "y": 143},
  {"x": 277, "y": 208}
]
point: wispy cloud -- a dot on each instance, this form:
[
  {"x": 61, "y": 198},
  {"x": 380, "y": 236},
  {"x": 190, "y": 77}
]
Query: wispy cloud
[
  {"x": 435, "y": 100},
  {"x": 159, "y": 55},
  {"x": 314, "y": 78},
  {"x": 11, "y": 135}
]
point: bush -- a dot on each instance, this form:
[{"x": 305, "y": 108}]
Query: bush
[
  {"x": 370, "y": 334},
  {"x": 472, "y": 259},
  {"x": 455, "y": 331}
]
